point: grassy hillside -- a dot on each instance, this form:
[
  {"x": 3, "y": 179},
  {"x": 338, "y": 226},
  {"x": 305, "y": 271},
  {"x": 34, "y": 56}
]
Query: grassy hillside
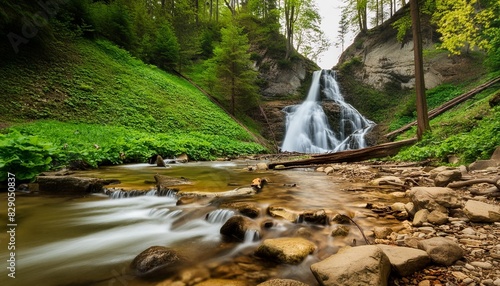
[{"x": 92, "y": 102}]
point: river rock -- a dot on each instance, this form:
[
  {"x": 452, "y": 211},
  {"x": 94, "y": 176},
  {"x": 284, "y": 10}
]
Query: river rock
[
  {"x": 236, "y": 227},
  {"x": 182, "y": 158},
  {"x": 160, "y": 162},
  {"x": 441, "y": 250},
  {"x": 288, "y": 250},
  {"x": 482, "y": 212},
  {"x": 157, "y": 261},
  {"x": 164, "y": 182},
  {"x": 282, "y": 282},
  {"x": 340, "y": 230},
  {"x": 437, "y": 217},
  {"x": 405, "y": 260},
  {"x": 225, "y": 282},
  {"x": 382, "y": 232},
  {"x": 434, "y": 198},
  {"x": 248, "y": 209},
  {"x": 65, "y": 185},
  {"x": 394, "y": 179},
  {"x": 483, "y": 165},
  {"x": 284, "y": 213},
  {"x": 434, "y": 172},
  {"x": 314, "y": 216},
  {"x": 445, "y": 177},
  {"x": 262, "y": 166},
  {"x": 361, "y": 265},
  {"x": 420, "y": 217}
]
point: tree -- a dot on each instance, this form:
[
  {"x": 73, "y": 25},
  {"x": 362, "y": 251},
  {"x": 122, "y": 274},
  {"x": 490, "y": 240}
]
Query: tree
[
  {"x": 291, "y": 10},
  {"x": 464, "y": 24},
  {"x": 232, "y": 67},
  {"x": 310, "y": 39},
  {"x": 422, "y": 116}
]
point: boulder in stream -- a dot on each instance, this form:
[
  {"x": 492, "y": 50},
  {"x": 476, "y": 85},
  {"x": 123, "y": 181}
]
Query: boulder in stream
[
  {"x": 287, "y": 250},
  {"x": 157, "y": 261},
  {"x": 236, "y": 227}
]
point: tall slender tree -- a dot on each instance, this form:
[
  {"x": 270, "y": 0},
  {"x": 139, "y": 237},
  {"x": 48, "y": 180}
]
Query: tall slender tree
[{"x": 422, "y": 116}]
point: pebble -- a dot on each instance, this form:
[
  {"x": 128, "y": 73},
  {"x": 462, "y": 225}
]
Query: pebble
[{"x": 483, "y": 265}]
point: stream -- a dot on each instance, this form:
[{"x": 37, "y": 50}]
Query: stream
[{"x": 92, "y": 240}]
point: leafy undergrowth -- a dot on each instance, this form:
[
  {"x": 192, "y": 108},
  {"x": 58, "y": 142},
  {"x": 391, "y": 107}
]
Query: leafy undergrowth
[
  {"x": 93, "y": 102},
  {"x": 470, "y": 131}
]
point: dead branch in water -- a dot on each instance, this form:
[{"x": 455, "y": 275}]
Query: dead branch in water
[{"x": 495, "y": 182}]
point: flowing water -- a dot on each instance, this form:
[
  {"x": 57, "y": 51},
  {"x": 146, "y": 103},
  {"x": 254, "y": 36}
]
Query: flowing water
[
  {"x": 92, "y": 240},
  {"x": 307, "y": 127}
]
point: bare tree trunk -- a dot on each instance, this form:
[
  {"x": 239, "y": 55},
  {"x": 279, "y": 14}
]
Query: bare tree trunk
[{"x": 422, "y": 116}]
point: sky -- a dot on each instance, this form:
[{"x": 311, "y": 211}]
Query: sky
[{"x": 330, "y": 15}]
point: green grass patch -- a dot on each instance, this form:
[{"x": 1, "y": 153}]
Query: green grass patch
[{"x": 29, "y": 149}]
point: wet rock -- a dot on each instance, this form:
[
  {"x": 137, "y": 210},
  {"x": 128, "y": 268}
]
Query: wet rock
[
  {"x": 340, "y": 230},
  {"x": 157, "y": 261},
  {"x": 160, "y": 162},
  {"x": 420, "y": 217},
  {"x": 65, "y": 185},
  {"x": 284, "y": 213},
  {"x": 182, "y": 158},
  {"x": 164, "y": 182},
  {"x": 482, "y": 212},
  {"x": 288, "y": 250},
  {"x": 340, "y": 218},
  {"x": 314, "y": 216},
  {"x": 262, "y": 166},
  {"x": 437, "y": 218},
  {"x": 405, "y": 260},
  {"x": 250, "y": 210},
  {"x": 362, "y": 265},
  {"x": 443, "y": 178},
  {"x": 225, "y": 282},
  {"x": 282, "y": 282},
  {"x": 441, "y": 250},
  {"x": 434, "y": 198},
  {"x": 382, "y": 232},
  {"x": 236, "y": 227}
]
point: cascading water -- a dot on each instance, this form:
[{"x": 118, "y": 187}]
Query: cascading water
[{"x": 307, "y": 127}]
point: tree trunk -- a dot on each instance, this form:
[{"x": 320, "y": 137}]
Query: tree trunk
[
  {"x": 422, "y": 117},
  {"x": 378, "y": 151}
]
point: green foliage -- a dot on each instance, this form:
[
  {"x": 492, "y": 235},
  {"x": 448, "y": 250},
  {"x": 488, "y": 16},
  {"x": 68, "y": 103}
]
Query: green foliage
[
  {"x": 113, "y": 22},
  {"x": 402, "y": 25},
  {"x": 469, "y": 132},
  {"x": 24, "y": 156},
  {"x": 166, "y": 48},
  {"x": 29, "y": 149},
  {"x": 351, "y": 64}
]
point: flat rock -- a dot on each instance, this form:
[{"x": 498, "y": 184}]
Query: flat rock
[
  {"x": 288, "y": 250},
  {"x": 434, "y": 198},
  {"x": 441, "y": 250},
  {"x": 406, "y": 260},
  {"x": 361, "y": 265},
  {"x": 483, "y": 165},
  {"x": 67, "y": 185},
  {"x": 482, "y": 212}
]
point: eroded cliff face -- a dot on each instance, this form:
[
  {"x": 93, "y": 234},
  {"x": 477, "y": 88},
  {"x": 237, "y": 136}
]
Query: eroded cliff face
[{"x": 386, "y": 61}]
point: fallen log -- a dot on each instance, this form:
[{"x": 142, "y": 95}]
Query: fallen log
[
  {"x": 495, "y": 182},
  {"x": 378, "y": 151},
  {"x": 446, "y": 106}
]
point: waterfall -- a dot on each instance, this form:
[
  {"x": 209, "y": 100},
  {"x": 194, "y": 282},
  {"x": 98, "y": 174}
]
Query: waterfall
[{"x": 307, "y": 127}]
